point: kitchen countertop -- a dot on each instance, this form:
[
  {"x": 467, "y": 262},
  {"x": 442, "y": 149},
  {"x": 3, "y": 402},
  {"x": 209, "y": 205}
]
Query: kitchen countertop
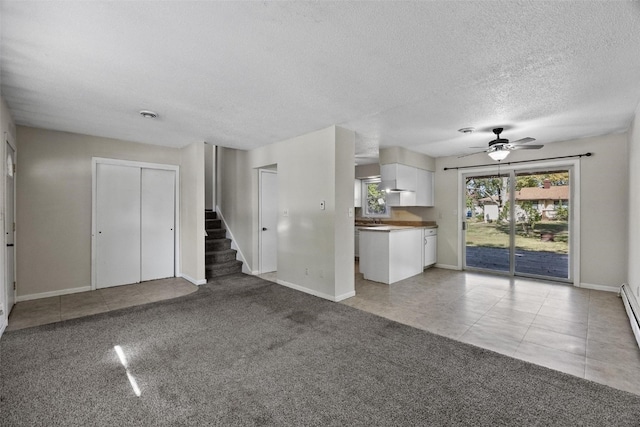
[{"x": 394, "y": 225}]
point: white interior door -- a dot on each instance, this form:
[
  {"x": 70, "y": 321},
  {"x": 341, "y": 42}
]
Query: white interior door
[
  {"x": 9, "y": 228},
  {"x": 117, "y": 225},
  {"x": 158, "y": 224},
  {"x": 268, "y": 221}
]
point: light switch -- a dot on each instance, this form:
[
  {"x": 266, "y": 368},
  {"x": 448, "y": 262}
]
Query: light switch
[
  {"x": 285, "y": 212},
  {"x": 322, "y": 205},
  {"x": 350, "y": 212}
]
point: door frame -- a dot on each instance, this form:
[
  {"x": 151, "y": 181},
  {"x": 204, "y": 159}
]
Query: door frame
[
  {"x": 573, "y": 165},
  {"x": 260, "y": 240},
  {"x": 94, "y": 188},
  {"x": 8, "y": 287}
]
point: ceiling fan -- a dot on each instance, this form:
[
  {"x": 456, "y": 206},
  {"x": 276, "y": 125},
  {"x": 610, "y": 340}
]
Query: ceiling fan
[{"x": 500, "y": 148}]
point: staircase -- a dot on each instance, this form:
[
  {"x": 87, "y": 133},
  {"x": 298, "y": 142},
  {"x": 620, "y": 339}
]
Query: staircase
[{"x": 220, "y": 259}]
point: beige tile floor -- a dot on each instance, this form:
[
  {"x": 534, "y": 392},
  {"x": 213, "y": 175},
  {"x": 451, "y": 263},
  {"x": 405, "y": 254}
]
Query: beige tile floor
[
  {"x": 49, "y": 310},
  {"x": 582, "y": 332}
]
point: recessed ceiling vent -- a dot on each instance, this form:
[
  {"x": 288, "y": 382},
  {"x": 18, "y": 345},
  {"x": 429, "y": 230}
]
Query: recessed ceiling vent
[{"x": 148, "y": 114}]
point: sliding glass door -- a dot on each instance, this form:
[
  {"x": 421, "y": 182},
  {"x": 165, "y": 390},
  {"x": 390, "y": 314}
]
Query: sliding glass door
[
  {"x": 519, "y": 222},
  {"x": 488, "y": 228}
]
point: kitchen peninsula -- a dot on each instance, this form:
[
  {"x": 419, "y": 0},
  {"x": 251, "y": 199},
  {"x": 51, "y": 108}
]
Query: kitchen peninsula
[{"x": 390, "y": 253}]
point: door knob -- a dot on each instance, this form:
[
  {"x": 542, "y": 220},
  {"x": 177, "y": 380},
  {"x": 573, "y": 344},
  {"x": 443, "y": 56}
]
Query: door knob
[{"x": 264, "y": 228}]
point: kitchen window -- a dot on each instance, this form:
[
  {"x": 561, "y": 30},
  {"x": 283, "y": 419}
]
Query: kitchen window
[{"x": 374, "y": 199}]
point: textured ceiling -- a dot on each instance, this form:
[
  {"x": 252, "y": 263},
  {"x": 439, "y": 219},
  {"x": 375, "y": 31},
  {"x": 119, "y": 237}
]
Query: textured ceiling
[{"x": 246, "y": 74}]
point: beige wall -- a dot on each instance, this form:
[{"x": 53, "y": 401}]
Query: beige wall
[
  {"x": 192, "y": 168},
  {"x": 604, "y": 207},
  {"x": 313, "y": 167},
  {"x": 633, "y": 256},
  {"x": 406, "y": 157},
  {"x": 53, "y": 219},
  {"x": 367, "y": 171}
]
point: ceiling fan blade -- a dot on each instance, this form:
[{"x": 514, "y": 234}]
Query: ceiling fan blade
[
  {"x": 523, "y": 140},
  {"x": 471, "y": 154},
  {"x": 526, "y": 147}
]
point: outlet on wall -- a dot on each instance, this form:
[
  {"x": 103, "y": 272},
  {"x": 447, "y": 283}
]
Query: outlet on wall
[{"x": 306, "y": 271}]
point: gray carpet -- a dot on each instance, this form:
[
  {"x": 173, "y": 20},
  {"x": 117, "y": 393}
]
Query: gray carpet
[{"x": 243, "y": 351}]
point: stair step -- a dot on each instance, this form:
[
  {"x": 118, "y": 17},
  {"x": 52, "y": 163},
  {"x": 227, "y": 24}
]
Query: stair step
[
  {"x": 218, "y": 257},
  {"x": 222, "y": 269},
  {"x": 216, "y": 234},
  {"x": 217, "y": 244},
  {"x": 212, "y": 224}
]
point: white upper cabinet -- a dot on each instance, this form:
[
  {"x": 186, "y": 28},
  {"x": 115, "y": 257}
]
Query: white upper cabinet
[
  {"x": 396, "y": 176},
  {"x": 409, "y": 186},
  {"x": 357, "y": 193},
  {"x": 424, "y": 192}
]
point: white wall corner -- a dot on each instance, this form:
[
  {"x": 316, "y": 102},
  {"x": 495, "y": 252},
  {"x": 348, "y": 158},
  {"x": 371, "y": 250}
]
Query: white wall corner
[{"x": 345, "y": 296}]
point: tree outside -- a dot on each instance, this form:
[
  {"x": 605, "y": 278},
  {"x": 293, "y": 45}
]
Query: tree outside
[{"x": 533, "y": 232}]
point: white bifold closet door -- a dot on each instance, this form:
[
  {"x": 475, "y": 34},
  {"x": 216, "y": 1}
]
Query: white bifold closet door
[
  {"x": 158, "y": 223},
  {"x": 135, "y": 222}
]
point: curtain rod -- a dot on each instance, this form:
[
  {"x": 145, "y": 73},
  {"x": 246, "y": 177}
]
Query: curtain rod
[{"x": 521, "y": 161}]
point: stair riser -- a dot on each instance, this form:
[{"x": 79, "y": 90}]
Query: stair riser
[
  {"x": 222, "y": 257},
  {"x": 212, "y": 224},
  {"x": 210, "y": 215},
  {"x": 216, "y": 234},
  {"x": 217, "y": 245},
  {"x": 223, "y": 270}
]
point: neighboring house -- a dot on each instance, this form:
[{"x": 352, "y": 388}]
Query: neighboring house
[{"x": 546, "y": 199}]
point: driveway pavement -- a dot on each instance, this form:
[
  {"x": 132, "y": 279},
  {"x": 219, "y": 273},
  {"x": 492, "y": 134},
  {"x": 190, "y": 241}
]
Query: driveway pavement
[{"x": 529, "y": 262}]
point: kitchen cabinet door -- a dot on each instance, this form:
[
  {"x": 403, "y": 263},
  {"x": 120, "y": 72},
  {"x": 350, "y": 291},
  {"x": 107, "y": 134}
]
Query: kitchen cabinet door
[
  {"x": 430, "y": 250},
  {"x": 357, "y": 193},
  {"x": 399, "y": 176},
  {"x": 424, "y": 192}
]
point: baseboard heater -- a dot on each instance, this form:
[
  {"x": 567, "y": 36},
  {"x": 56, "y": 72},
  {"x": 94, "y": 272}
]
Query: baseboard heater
[{"x": 633, "y": 310}]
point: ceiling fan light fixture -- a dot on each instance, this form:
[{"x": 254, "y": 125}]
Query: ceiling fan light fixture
[{"x": 498, "y": 155}]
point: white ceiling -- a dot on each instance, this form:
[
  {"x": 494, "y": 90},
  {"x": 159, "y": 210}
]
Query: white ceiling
[{"x": 247, "y": 74}]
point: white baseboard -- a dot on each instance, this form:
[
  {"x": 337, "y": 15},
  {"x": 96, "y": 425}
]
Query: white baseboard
[
  {"x": 447, "y": 266},
  {"x": 345, "y": 296},
  {"x": 30, "y": 297},
  {"x": 316, "y": 293},
  {"x": 192, "y": 280},
  {"x": 599, "y": 287},
  {"x": 3, "y": 327}
]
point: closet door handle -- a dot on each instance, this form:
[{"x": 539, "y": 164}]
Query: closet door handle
[{"x": 264, "y": 228}]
